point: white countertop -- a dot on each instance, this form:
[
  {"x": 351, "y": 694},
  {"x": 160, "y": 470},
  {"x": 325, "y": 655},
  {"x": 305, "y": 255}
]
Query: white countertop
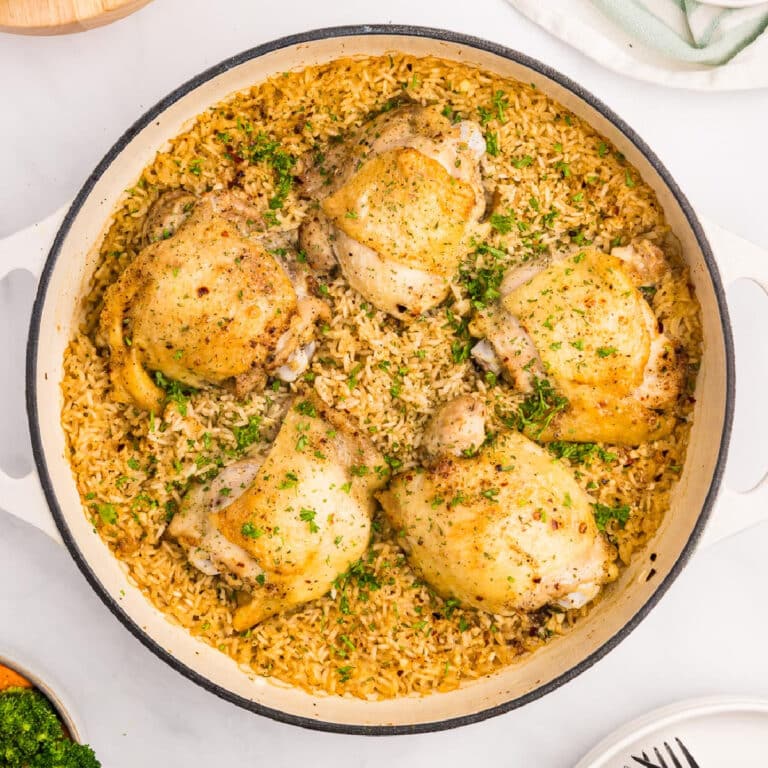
[{"x": 65, "y": 100}]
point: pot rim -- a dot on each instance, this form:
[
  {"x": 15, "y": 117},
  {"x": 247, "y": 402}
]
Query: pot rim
[{"x": 397, "y": 30}]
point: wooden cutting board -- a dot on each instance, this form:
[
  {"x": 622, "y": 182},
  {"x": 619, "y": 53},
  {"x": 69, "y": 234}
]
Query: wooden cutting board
[{"x": 60, "y": 17}]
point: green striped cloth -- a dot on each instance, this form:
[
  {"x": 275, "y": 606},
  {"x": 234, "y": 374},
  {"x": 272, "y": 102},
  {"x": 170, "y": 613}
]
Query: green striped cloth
[{"x": 687, "y": 30}]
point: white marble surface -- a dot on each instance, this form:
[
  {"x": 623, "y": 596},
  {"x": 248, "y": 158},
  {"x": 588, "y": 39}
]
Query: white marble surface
[{"x": 65, "y": 101}]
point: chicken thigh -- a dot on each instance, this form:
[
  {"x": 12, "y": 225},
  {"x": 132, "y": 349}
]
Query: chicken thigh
[
  {"x": 504, "y": 530},
  {"x": 398, "y": 201},
  {"x": 291, "y": 521},
  {"x": 205, "y": 305},
  {"x": 582, "y": 322}
]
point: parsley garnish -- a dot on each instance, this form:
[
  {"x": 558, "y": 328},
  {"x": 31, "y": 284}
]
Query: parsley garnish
[
  {"x": 247, "y": 435},
  {"x": 603, "y": 514},
  {"x": 501, "y": 103},
  {"x": 580, "y": 453},
  {"x": 175, "y": 392},
  {"x": 538, "y": 409},
  {"x": 492, "y": 143},
  {"x": 502, "y": 224},
  {"x": 345, "y": 673},
  {"x": 305, "y": 408},
  {"x": 107, "y": 513},
  {"x": 282, "y": 162},
  {"x": 250, "y": 531},
  {"x": 308, "y": 516},
  {"x": 291, "y": 480},
  {"x": 483, "y": 288}
]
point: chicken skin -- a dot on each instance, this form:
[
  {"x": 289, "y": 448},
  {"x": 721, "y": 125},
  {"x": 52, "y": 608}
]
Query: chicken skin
[
  {"x": 205, "y": 305},
  {"x": 503, "y": 530},
  {"x": 398, "y": 201},
  {"x": 582, "y": 322},
  {"x": 290, "y": 522}
]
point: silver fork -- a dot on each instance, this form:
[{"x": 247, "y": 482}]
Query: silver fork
[{"x": 647, "y": 762}]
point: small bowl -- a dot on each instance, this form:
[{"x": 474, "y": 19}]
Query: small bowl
[{"x": 67, "y": 721}]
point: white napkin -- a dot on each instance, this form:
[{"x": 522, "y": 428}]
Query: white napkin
[{"x": 681, "y": 43}]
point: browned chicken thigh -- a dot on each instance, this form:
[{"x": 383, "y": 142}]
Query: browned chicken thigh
[
  {"x": 205, "y": 305},
  {"x": 291, "y": 520},
  {"x": 398, "y": 201},
  {"x": 503, "y": 527},
  {"x": 582, "y": 321}
]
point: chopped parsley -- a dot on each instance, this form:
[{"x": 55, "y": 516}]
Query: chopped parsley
[
  {"x": 291, "y": 480},
  {"x": 352, "y": 378},
  {"x": 247, "y": 435},
  {"x": 538, "y": 409},
  {"x": 483, "y": 287},
  {"x": 500, "y": 103},
  {"x": 345, "y": 673},
  {"x": 453, "y": 115},
  {"x": 502, "y": 224},
  {"x": 107, "y": 513},
  {"x": 250, "y": 531},
  {"x": 305, "y": 408},
  {"x": 451, "y": 604},
  {"x": 580, "y": 453},
  {"x": 492, "y": 143},
  {"x": 461, "y": 346},
  {"x": 264, "y": 149},
  {"x": 308, "y": 516},
  {"x": 606, "y": 351},
  {"x": 522, "y": 162},
  {"x": 362, "y": 576},
  {"x": 491, "y": 494},
  {"x": 175, "y": 392},
  {"x": 604, "y": 514},
  {"x": 485, "y": 115}
]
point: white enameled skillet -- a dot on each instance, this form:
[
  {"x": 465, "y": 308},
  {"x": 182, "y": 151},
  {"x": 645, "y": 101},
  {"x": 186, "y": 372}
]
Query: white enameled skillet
[{"x": 71, "y": 261}]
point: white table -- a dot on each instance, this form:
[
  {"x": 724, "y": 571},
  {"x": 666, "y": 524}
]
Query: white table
[{"x": 65, "y": 101}]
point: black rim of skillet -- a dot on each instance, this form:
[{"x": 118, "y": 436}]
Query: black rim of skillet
[{"x": 438, "y": 35}]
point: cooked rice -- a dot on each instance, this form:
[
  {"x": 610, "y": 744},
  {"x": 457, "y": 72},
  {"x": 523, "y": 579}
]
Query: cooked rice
[{"x": 385, "y": 634}]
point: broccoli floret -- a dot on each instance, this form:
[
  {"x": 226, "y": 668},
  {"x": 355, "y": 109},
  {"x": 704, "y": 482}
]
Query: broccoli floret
[
  {"x": 65, "y": 754},
  {"x": 27, "y": 722},
  {"x": 31, "y": 735}
]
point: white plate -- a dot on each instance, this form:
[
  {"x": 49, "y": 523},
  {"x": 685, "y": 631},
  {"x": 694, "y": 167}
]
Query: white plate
[
  {"x": 734, "y": 3},
  {"x": 721, "y": 732}
]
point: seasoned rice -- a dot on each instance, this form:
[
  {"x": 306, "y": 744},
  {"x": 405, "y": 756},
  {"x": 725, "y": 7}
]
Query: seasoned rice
[{"x": 382, "y": 632}]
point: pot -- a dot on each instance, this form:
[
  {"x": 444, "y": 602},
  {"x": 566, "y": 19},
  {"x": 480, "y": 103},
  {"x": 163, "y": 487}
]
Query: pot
[{"x": 72, "y": 259}]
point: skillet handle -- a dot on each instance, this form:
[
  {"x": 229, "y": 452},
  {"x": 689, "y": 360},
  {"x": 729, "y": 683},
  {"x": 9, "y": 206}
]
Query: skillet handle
[
  {"x": 743, "y": 498},
  {"x": 27, "y": 249}
]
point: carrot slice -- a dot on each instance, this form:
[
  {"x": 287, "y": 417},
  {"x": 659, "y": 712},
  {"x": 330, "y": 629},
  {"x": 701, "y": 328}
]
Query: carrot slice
[{"x": 11, "y": 679}]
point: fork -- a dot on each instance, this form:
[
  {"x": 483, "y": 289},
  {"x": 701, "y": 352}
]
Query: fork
[{"x": 646, "y": 762}]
